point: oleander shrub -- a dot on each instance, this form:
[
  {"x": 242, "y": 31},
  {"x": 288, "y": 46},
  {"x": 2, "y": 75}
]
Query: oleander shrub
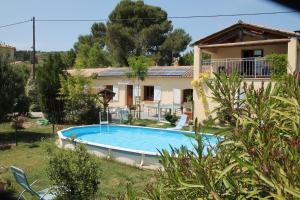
[{"x": 258, "y": 156}]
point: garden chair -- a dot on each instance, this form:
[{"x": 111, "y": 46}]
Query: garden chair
[
  {"x": 45, "y": 194},
  {"x": 42, "y": 122},
  {"x": 180, "y": 123}
]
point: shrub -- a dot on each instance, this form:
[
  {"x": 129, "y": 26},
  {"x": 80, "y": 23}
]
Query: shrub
[
  {"x": 79, "y": 98},
  {"x": 32, "y": 94},
  {"x": 258, "y": 158},
  {"x": 75, "y": 172},
  {"x": 172, "y": 118},
  {"x": 11, "y": 88},
  {"x": 279, "y": 64},
  {"x": 48, "y": 84},
  {"x": 225, "y": 90}
]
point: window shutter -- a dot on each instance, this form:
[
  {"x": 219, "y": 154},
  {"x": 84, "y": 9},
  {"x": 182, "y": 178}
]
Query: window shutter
[
  {"x": 136, "y": 91},
  {"x": 176, "y": 96},
  {"x": 157, "y": 93},
  {"x": 116, "y": 91}
]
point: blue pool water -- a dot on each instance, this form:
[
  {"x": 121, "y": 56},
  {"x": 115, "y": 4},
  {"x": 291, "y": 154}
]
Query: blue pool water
[{"x": 136, "y": 138}]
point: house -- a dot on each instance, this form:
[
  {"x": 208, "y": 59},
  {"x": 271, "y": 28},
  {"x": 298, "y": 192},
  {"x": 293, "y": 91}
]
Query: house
[
  {"x": 7, "y": 51},
  {"x": 168, "y": 85},
  {"x": 243, "y": 48}
]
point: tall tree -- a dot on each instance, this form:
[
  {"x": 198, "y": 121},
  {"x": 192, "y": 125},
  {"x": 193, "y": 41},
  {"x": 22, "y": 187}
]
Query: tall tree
[
  {"x": 69, "y": 58},
  {"x": 91, "y": 49},
  {"x": 135, "y": 28},
  {"x": 12, "y": 90},
  {"x": 48, "y": 81},
  {"x": 175, "y": 43},
  {"x": 139, "y": 70}
]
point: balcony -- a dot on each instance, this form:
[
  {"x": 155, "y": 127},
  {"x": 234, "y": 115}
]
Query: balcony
[{"x": 246, "y": 67}]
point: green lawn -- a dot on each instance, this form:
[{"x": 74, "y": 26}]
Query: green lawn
[{"x": 31, "y": 157}]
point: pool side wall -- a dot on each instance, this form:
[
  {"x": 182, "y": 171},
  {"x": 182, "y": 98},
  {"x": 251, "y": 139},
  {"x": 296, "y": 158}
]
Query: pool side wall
[{"x": 134, "y": 158}]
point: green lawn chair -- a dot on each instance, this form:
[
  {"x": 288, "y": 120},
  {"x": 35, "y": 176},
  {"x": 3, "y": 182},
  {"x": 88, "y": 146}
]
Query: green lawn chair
[
  {"x": 45, "y": 194},
  {"x": 42, "y": 122}
]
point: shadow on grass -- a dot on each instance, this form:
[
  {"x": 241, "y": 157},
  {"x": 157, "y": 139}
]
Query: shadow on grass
[
  {"x": 23, "y": 136},
  {"x": 7, "y": 195}
]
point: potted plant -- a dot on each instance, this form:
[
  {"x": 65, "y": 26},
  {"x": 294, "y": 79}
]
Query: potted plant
[{"x": 191, "y": 125}]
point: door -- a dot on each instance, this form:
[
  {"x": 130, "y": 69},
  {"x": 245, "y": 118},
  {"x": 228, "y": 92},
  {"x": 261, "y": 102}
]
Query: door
[
  {"x": 249, "y": 63},
  {"x": 129, "y": 95}
]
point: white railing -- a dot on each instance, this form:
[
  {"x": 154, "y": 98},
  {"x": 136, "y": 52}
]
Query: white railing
[{"x": 246, "y": 67}]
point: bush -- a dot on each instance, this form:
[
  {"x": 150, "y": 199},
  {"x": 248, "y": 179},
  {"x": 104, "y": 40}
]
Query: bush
[
  {"x": 172, "y": 118},
  {"x": 258, "y": 157},
  {"x": 75, "y": 172},
  {"x": 11, "y": 90},
  {"x": 48, "y": 85},
  {"x": 279, "y": 65},
  {"x": 32, "y": 94}
]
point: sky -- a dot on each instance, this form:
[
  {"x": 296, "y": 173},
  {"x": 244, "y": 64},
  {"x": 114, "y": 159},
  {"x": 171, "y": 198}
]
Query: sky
[{"x": 59, "y": 36}]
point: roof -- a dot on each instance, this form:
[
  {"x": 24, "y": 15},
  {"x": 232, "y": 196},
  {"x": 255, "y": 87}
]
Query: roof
[
  {"x": 7, "y": 46},
  {"x": 154, "y": 71},
  {"x": 240, "y": 24}
]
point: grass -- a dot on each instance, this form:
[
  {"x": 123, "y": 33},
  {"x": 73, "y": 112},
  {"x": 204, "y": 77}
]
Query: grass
[
  {"x": 30, "y": 155},
  {"x": 32, "y": 158}
]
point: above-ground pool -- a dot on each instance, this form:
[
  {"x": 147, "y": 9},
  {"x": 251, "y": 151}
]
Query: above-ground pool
[{"x": 129, "y": 144}]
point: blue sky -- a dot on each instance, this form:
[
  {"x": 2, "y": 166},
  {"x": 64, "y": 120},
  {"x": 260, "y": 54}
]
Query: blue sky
[{"x": 51, "y": 36}]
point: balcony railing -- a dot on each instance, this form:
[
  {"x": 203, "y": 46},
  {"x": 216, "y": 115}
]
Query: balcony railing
[{"x": 246, "y": 67}]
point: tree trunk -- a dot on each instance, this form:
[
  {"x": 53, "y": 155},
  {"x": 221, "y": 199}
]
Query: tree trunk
[{"x": 16, "y": 138}]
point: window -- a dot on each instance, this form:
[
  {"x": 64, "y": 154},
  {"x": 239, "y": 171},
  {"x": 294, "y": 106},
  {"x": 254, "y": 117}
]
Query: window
[
  {"x": 110, "y": 87},
  {"x": 258, "y": 53},
  {"x": 187, "y": 95},
  {"x": 148, "y": 93}
]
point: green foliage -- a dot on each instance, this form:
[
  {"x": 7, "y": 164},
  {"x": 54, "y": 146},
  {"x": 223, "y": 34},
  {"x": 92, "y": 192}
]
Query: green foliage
[
  {"x": 23, "y": 55},
  {"x": 81, "y": 60},
  {"x": 68, "y": 58},
  {"x": 32, "y": 94},
  {"x": 176, "y": 42},
  {"x": 12, "y": 91},
  {"x": 91, "y": 56},
  {"x": 48, "y": 84},
  {"x": 98, "y": 57},
  {"x": 258, "y": 158},
  {"x": 139, "y": 70},
  {"x": 139, "y": 67},
  {"x": 172, "y": 118},
  {"x": 120, "y": 39},
  {"x": 76, "y": 173},
  {"x": 80, "y": 102},
  {"x": 22, "y": 103},
  {"x": 279, "y": 65},
  {"x": 188, "y": 58},
  {"x": 143, "y": 37},
  {"x": 226, "y": 91}
]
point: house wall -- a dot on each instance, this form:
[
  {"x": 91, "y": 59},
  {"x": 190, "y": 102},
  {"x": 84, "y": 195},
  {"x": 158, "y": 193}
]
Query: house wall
[
  {"x": 294, "y": 55},
  {"x": 198, "y": 105},
  {"x": 167, "y": 84},
  {"x": 236, "y": 52},
  {"x": 233, "y": 52}
]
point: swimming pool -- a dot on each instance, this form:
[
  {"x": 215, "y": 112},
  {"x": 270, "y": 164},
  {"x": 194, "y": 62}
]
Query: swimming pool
[{"x": 129, "y": 144}]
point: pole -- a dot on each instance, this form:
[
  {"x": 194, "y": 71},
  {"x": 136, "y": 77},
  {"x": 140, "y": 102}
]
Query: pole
[{"x": 33, "y": 47}]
